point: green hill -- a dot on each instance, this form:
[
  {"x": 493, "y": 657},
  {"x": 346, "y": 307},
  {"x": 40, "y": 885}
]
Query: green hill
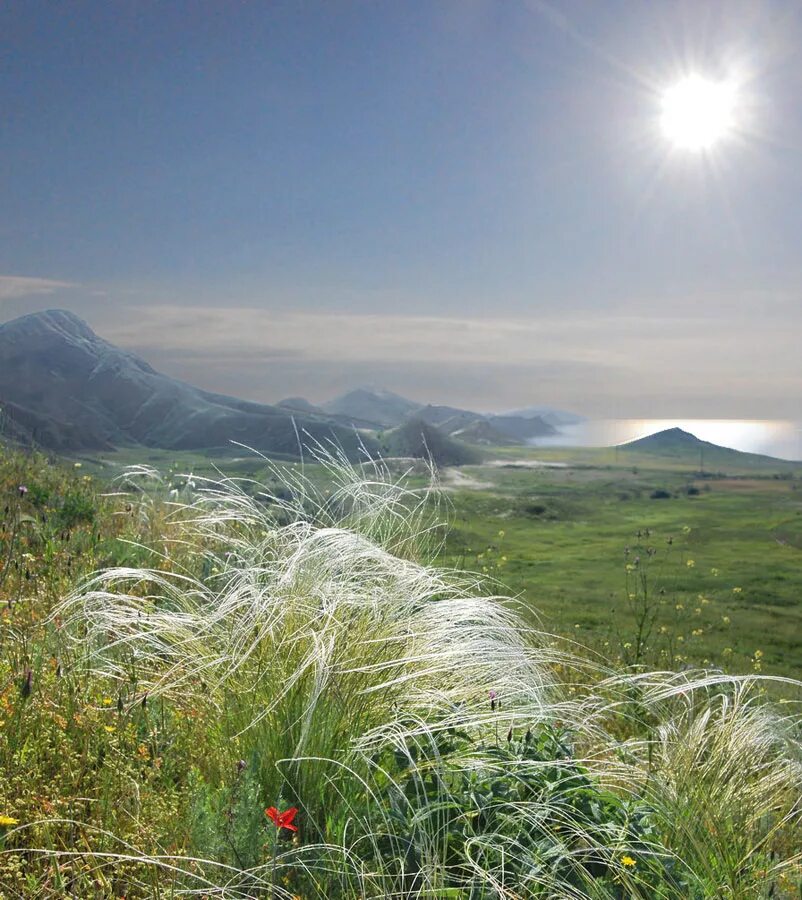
[
  {"x": 682, "y": 446},
  {"x": 418, "y": 439}
]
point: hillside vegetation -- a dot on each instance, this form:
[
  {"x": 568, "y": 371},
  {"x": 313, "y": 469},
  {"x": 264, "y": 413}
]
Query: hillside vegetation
[{"x": 251, "y": 691}]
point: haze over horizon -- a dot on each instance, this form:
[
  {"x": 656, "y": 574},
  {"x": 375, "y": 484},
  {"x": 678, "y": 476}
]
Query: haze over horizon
[{"x": 467, "y": 203}]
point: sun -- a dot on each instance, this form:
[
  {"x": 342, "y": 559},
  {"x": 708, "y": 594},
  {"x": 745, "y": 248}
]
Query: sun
[{"x": 698, "y": 113}]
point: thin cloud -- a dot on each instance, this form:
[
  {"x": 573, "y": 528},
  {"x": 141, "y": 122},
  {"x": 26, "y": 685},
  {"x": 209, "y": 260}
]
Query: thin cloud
[
  {"x": 15, "y": 287},
  {"x": 592, "y": 362}
]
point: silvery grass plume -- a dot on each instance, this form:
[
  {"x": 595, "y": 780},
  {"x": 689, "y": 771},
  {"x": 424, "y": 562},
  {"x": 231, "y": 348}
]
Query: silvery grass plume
[
  {"x": 726, "y": 777},
  {"x": 383, "y": 695}
]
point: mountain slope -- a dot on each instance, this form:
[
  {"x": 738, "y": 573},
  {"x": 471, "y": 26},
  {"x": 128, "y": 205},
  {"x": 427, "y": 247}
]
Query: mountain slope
[
  {"x": 67, "y": 389},
  {"x": 555, "y": 417},
  {"x": 682, "y": 446},
  {"x": 522, "y": 429},
  {"x": 382, "y": 408},
  {"x": 421, "y": 440}
]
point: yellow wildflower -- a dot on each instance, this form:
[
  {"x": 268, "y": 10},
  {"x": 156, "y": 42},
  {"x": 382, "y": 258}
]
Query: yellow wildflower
[
  {"x": 690, "y": 563},
  {"x": 627, "y": 861},
  {"x": 6, "y": 821}
]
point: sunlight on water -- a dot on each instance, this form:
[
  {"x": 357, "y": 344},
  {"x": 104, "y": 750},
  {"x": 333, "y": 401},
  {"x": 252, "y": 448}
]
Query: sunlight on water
[{"x": 772, "y": 437}]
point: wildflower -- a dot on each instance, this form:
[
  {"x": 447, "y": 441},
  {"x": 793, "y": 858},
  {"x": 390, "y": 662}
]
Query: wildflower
[
  {"x": 737, "y": 590},
  {"x": 77, "y": 465},
  {"x": 23, "y": 490},
  {"x": 109, "y": 728},
  {"x": 7, "y": 821},
  {"x": 492, "y": 695},
  {"x": 690, "y": 563},
  {"x": 282, "y": 819},
  {"x": 627, "y": 861}
]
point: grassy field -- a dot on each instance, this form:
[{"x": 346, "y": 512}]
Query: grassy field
[
  {"x": 560, "y": 537},
  {"x": 188, "y": 673},
  {"x": 721, "y": 556}
]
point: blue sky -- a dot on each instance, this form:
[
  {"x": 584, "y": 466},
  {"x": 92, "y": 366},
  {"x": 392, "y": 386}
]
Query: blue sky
[{"x": 470, "y": 202}]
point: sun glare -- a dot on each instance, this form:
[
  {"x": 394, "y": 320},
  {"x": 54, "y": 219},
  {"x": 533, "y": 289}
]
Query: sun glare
[{"x": 697, "y": 113}]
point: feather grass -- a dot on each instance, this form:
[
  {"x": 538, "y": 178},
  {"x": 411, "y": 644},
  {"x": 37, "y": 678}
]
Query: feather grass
[{"x": 308, "y": 627}]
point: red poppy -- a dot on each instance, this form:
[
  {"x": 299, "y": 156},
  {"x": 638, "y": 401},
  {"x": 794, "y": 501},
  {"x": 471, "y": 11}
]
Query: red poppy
[{"x": 282, "y": 819}]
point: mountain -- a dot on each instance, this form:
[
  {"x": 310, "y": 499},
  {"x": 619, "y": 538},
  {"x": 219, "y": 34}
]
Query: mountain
[
  {"x": 379, "y": 409},
  {"x": 382, "y": 408},
  {"x": 65, "y": 388},
  {"x": 418, "y": 439},
  {"x": 299, "y": 404},
  {"x": 520, "y": 428},
  {"x": 447, "y": 418},
  {"x": 555, "y": 417},
  {"x": 480, "y": 431},
  {"x": 680, "y": 445}
]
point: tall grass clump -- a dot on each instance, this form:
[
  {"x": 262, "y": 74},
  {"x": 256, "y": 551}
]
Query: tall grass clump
[{"x": 297, "y": 648}]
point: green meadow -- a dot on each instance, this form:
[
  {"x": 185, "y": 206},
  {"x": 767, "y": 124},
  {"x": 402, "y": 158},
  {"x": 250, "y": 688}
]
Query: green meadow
[
  {"x": 720, "y": 551},
  {"x": 721, "y": 555},
  {"x": 222, "y": 676}
]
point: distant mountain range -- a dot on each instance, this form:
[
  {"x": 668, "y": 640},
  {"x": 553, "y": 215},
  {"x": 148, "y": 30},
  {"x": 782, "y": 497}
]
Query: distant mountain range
[
  {"x": 556, "y": 417},
  {"x": 379, "y": 409},
  {"x": 65, "y": 389}
]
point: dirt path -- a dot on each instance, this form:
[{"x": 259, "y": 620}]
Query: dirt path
[{"x": 456, "y": 480}]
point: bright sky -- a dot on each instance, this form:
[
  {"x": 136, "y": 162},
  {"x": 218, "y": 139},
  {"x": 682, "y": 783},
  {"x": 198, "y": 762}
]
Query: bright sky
[{"x": 472, "y": 201}]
